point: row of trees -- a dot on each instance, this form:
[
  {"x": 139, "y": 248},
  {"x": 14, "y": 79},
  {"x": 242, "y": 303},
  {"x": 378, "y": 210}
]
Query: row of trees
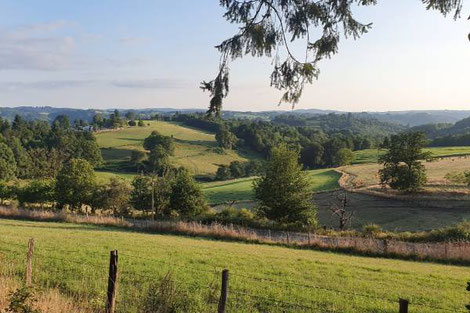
[
  {"x": 318, "y": 148},
  {"x": 75, "y": 187},
  {"x": 115, "y": 120},
  {"x": 238, "y": 169},
  {"x": 36, "y": 149}
]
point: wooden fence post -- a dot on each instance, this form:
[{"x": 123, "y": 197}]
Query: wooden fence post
[
  {"x": 223, "y": 292},
  {"x": 404, "y": 305},
  {"x": 29, "y": 263},
  {"x": 288, "y": 239},
  {"x": 112, "y": 282},
  {"x": 309, "y": 240}
]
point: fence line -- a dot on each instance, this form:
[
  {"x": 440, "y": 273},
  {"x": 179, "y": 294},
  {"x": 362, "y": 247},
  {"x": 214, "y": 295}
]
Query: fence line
[{"x": 113, "y": 277}]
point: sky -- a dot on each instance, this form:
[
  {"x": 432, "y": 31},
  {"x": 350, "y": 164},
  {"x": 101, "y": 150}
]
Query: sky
[{"x": 155, "y": 53}]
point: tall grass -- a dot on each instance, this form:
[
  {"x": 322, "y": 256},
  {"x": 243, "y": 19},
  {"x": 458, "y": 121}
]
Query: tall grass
[{"x": 383, "y": 244}]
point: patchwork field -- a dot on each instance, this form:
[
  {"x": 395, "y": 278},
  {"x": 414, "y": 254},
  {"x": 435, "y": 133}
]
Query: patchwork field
[
  {"x": 74, "y": 259},
  {"x": 372, "y": 155},
  {"x": 195, "y": 149},
  {"x": 242, "y": 189},
  {"x": 367, "y": 174}
]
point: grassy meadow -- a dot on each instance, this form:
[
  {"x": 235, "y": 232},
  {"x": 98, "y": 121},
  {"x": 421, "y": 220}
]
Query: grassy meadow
[
  {"x": 242, "y": 189},
  {"x": 367, "y": 174},
  {"x": 372, "y": 155},
  {"x": 74, "y": 259},
  {"x": 194, "y": 149}
]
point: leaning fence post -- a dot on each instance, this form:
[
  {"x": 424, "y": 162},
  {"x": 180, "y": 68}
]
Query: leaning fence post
[
  {"x": 223, "y": 292},
  {"x": 404, "y": 305},
  {"x": 29, "y": 263},
  {"x": 112, "y": 282}
]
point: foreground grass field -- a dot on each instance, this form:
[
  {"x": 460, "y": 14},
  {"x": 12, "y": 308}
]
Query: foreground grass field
[
  {"x": 195, "y": 149},
  {"x": 372, "y": 155},
  {"x": 242, "y": 189},
  {"x": 74, "y": 259}
]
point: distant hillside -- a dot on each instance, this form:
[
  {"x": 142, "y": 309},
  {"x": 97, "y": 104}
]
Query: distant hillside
[
  {"x": 461, "y": 127},
  {"x": 49, "y": 113},
  {"x": 405, "y": 118},
  {"x": 415, "y": 118},
  {"x": 362, "y": 124}
]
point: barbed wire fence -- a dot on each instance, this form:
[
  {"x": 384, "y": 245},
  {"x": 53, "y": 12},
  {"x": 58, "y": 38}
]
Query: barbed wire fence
[{"x": 103, "y": 277}]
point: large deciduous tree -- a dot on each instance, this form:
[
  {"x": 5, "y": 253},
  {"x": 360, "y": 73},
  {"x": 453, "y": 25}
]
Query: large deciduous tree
[
  {"x": 226, "y": 139},
  {"x": 403, "y": 169},
  {"x": 75, "y": 184},
  {"x": 271, "y": 27},
  {"x": 284, "y": 192},
  {"x": 186, "y": 197}
]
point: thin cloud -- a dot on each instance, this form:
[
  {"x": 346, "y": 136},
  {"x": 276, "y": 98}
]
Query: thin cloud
[
  {"x": 150, "y": 84},
  {"x": 158, "y": 84},
  {"x": 134, "y": 40},
  {"x": 47, "y": 84},
  {"x": 35, "y": 47}
]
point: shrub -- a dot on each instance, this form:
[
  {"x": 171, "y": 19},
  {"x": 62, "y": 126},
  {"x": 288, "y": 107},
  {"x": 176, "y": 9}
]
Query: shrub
[
  {"x": 371, "y": 230},
  {"x": 456, "y": 178},
  {"x": 37, "y": 191},
  {"x": 22, "y": 301},
  {"x": 6, "y": 192},
  {"x": 165, "y": 296},
  {"x": 460, "y": 232}
]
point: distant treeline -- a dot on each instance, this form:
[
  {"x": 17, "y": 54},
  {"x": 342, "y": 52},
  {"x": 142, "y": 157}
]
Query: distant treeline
[
  {"x": 446, "y": 135},
  {"x": 324, "y": 141},
  {"x": 37, "y": 149}
]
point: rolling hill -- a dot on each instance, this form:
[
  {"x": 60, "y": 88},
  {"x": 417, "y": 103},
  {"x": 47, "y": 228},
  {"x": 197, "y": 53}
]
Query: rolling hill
[{"x": 195, "y": 150}]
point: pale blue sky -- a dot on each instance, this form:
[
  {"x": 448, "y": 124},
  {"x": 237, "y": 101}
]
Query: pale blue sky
[{"x": 141, "y": 54}]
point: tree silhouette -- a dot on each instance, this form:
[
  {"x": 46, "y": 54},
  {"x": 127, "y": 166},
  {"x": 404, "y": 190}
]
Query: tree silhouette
[{"x": 271, "y": 27}]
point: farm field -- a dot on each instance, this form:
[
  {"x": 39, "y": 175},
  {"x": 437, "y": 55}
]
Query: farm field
[
  {"x": 436, "y": 170},
  {"x": 241, "y": 189},
  {"x": 372, "y": 155},
  {"x": 394, "y": 214},
  {"x": 195, "y": 149},
  {"x": 262, "y": 278}
]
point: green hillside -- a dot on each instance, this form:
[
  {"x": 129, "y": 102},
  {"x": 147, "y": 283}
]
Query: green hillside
[
  {"x": 242, "y": 189},
  {"x": 263, "y": 278},
  {"x": 195, "y": 149}
]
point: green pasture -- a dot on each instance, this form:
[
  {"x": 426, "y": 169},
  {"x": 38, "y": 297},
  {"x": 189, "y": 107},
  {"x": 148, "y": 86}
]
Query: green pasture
[
  {"x": 372, "y": 155},
  {"x": 74, "y": 259},
  {"x": 195, "y": 150},
  {"x": 242, "y": 189}
]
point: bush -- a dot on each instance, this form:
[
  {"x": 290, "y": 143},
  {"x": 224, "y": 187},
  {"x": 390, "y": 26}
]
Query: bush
[
  {"x": 456, "y": 178},
  {"x": 460, "y": 232},
  {"x": 22, "y": 301},
  {"x": 37, "y": 191},
  {"x": 165, "y": 296},
  {"x": 6, "y": 192},
  {"x": 371, "y": 230}
]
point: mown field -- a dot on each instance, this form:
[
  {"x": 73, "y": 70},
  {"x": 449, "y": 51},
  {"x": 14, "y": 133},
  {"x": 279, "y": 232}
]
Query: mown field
[
  {"x": 372, "y": 155},
  {"x": 242, "y": 189},
  {"x": 367, "y": 174},
  {"x": 74, "y": 259},
  {"x": 195, "y": 149}
]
